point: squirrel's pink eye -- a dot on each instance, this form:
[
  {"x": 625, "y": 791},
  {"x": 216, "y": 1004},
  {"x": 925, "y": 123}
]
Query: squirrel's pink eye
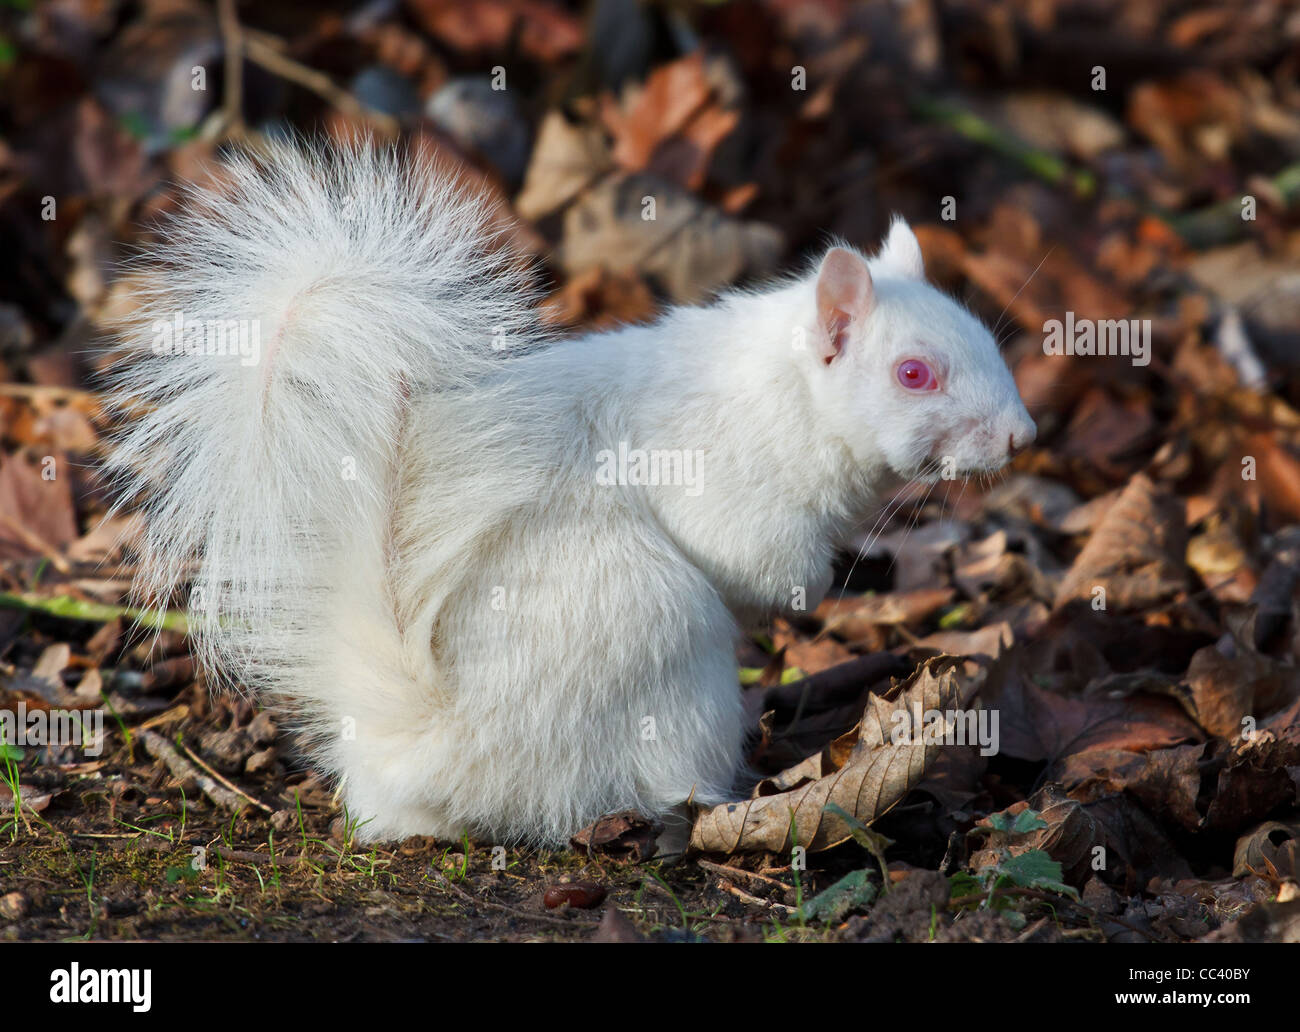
[{"x": 915, "y": 375}]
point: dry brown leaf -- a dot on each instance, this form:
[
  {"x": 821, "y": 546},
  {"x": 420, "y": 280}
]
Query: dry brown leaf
[
  {"x": 1269, "y": 849},
  {"x": 1278, "y": 471},
  {"x": 566, "y": 159},
  {"x": 672, "y": 126},
  {"x": 1036, "y": 724},
  {"x": 37, "y": 514},
  {"x": 1226, "y": 690},
  {"x": 626, "y": 836},
  {"x": 811, "y": 655},
  {"x": 1137, "y": 553},
  {"x": 1070, "y": 837},
  {"x": 1257, "y": 778},
  {"x": 990, "y": 641},
  {"x": 1166, "y": 781},
  {"x": 542, "y": 30},
  {"x": 856, "y": 618},
  {"x": 1104, "y": 430},
  {"x": 862, "y": 772},
  {"x": 688, "y": 249},
  {"x": 29, "y": 800}
]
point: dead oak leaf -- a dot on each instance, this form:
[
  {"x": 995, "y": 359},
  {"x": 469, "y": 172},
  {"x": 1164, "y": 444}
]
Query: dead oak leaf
[
  {"x": 1226, "y": 690},
  {"x": 37, "y": 513},
  {"x": 1036, "y": 724},
  {"x": 1070, "y": 835},
  {"x": 672, "y": 126},
  {"x": 865, "y": 772},
  {"x": 1166, "y": 781},
  {"x": 1136, "y": 554},
  {"x": 627, "y": 836},
  {"x": 1261, "y": 772}
]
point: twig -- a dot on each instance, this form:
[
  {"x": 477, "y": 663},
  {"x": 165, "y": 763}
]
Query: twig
[
  {"x": 745, "y": 897},
  {"x": 68, "y": 608},
  {"x": 225, "y": 781},
  {"x": 247, "y": 856},
  {"x": 1222, "y": 222},
  {"x": 50, "y": 391},
  {"x": 184, "y": 771},
  {"x": 1042, "y": 164},
  {"x": 260, "y": 52},
  {"x": 736, "y": 872},
  {"x": 36, "y": 543},
  {"x": 233, "y": 38}
]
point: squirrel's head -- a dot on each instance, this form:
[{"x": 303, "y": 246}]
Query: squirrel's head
[{"x": 900, "y": 370}]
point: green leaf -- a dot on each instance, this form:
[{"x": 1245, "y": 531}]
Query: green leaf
[
  {"x": 1034, "y": 869},
  {"x": 955, "y": 617},
  {"x": 849, "y": 893},
  {"x": 1025, "y": 822},
  {"x": 872, "y": 841},
  {"x": 181, "y": 872}
]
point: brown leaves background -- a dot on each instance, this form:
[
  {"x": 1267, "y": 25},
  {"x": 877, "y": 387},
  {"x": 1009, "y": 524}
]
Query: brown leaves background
[{"x": 1162, "y": 725}]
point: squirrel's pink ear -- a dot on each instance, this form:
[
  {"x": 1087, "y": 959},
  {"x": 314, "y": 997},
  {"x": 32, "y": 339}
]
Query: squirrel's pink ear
[
  {"x": 901, "y": 251},
  {"x": 844, "y": 296}
]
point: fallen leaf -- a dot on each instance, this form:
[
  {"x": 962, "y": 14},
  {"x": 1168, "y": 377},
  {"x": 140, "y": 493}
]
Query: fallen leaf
[
  {"x": 1270, "y": 849},
  {"x": 1070, "y": 837},
  {"x": 1036, "y": 724},
  {"x": 1136, "y": 554},
  {"x": 627, "y": 836},
  {"x": 37, "y": 516},
  {"x": 865, "y": 772},
  {"x": 566, "y": 159},
  {"x": 672, "y": 125},
  {"x": 855, "y": 618},
  {"x": 1166, "y": 781},
  {"x": 1225, "y": 690}
]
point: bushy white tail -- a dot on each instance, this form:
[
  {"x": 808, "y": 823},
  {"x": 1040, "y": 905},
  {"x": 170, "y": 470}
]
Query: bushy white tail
[{"x": 293, "y": 310}]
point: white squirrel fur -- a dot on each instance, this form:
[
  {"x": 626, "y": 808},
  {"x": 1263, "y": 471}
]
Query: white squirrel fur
[{"x": 473, "y": 633}]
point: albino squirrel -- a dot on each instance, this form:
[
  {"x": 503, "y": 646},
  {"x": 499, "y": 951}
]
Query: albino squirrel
[{"x": 496, "y": 580}]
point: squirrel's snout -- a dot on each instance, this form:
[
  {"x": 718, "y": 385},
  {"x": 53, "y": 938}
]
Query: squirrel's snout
[{"x": 1020, "y": 439}]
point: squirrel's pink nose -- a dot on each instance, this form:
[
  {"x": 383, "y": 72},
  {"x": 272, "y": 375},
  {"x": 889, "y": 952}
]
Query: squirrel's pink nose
[{"x": 1021, "y": 437}]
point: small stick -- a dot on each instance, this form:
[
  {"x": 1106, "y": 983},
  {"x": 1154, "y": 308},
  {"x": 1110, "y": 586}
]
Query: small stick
[
  {"x": 185, "y": 772},
  {"x": 233, "y": 37},
  {"x": 36, "y": 543},
  {"x": 736, "y": 872},
  {"x": 51, "y": 391},
  {"x": 226, "y": 781},
  {"x": 260, "y": 52},
  {"x": 745, "y": 897},
  {"x": 247, "y": 856}
]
